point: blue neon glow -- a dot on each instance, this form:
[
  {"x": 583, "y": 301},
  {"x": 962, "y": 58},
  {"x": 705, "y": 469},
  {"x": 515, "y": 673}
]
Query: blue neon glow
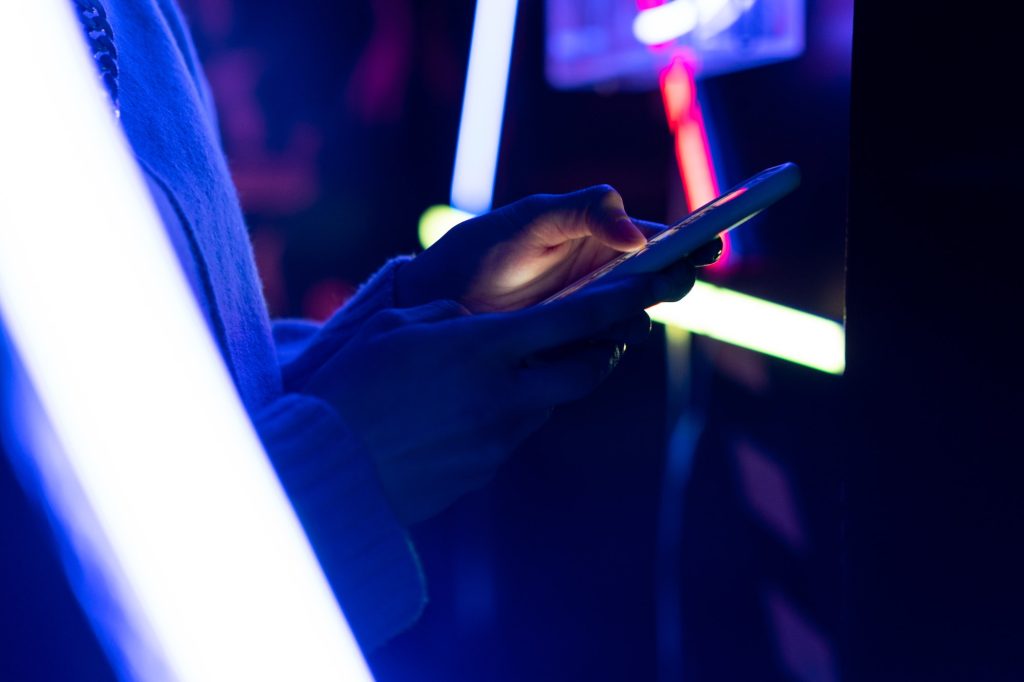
[
  {"x": 483, "y": 107},
  {"x": 152, "y": 464}
]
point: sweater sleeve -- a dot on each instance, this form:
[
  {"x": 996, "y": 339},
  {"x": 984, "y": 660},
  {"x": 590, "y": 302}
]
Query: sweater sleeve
[
  {"x": 364, "y": 551},
  {"x": 303, "y": 346}
]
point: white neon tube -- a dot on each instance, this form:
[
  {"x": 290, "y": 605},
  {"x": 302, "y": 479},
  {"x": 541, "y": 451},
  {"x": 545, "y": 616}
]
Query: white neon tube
[
  {"x": 483, "y": 105},
  {"x": 720, "y": 313},
  {"x": 148, "y": 420}
]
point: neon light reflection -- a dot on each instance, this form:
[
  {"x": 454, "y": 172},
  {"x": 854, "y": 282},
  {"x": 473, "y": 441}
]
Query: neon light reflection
[{"x": 208, "y": 558}]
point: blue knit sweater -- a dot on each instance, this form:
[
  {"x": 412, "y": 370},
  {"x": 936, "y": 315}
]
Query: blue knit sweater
[{"x": 168, "y": 117}]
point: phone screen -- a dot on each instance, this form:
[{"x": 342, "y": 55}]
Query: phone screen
[{"x": 654, "y": 242}]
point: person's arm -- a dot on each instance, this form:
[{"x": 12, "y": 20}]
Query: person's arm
[
  {"x": 332, "y": 482},
  {"x": 302, "y": 345},
  {"x": 333, "y": 485}
]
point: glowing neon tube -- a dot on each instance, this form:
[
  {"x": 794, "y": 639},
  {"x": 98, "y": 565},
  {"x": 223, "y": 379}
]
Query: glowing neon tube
[
  {"x": 193, "y": 530},
  {"x": 722, "y": 314},
  {"x": 483, "y": 105},
  {"x": 759, "y": 325}
]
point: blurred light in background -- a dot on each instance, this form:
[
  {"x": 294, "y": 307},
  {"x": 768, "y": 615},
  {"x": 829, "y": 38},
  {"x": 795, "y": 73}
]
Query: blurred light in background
[
  {"x": 664, "y": 23},
  {"x": 483, "y": 107},
  {"x": 685, "y": 119},
  {"x": 437, "y": 220},
  {"x": 168, "y": 492},
  {"x": 590, "y": 42},
  {"x": 759, "y": 325}
]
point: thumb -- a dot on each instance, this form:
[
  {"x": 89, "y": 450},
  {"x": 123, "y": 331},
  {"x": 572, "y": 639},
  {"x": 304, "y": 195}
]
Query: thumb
[
  {"x": 593, "y": 212},
  {"x": 605, "y": 215}
]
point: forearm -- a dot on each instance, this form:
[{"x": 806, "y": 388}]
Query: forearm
[
  {"x": 364, "y": 551},
  {"x": 303, "y": 346}
]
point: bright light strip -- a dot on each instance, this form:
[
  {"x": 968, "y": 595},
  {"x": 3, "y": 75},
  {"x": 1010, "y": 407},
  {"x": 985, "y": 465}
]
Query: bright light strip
[
  {"x": 695, "y": 165},
  {"x": 222, "y": 577},
  {"x": 759, "y": 325},
  {"x": 665, "y": 23},
  {"x": 722, "y": 314},
  {"x": 483, "y": 107}
]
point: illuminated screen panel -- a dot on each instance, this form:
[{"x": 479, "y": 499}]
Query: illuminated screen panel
[{"x": 598, "y": 41}]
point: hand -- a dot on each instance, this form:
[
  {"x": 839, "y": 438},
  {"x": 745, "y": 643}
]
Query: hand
[
  {"x": 440, "y": 397},
  {"x": 519, "y": 255}
]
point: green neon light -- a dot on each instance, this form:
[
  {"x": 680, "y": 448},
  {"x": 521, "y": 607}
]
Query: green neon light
[
  {"x": 720, "y": 313},
  {"x": 759, "y": 325},
  {"x": 437, "y": 220}
]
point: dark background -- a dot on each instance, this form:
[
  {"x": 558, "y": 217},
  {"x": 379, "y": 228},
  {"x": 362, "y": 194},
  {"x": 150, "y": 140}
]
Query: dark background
[{"x": 866, "y": 527}]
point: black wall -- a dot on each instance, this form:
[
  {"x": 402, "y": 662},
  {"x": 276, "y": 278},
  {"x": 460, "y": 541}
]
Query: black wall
[{"x": 934, "y": 523}]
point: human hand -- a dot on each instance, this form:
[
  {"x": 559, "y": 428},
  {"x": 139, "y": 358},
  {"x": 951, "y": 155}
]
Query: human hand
[
  {"x": 440, "y": 397},
  {"x": 522, "y": 253}
]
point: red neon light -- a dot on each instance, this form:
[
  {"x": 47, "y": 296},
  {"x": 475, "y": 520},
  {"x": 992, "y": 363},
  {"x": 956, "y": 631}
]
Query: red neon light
[{"x": 693, "y": 153}]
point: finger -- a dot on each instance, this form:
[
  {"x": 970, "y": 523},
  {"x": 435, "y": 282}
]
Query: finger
[
  {"x": 435, "y": 311},
  {"x": 675, "y": 281},
  {"x": 608, "y": 221},
  {"x": 574, "y": 375},
  {"x": 650, "y": 229},
  {"x": 708, "y": 253},
  {"x": 593, "y": 212},
  {"x": 629, "y": 332},
  {"x": 589, "y": 312}
]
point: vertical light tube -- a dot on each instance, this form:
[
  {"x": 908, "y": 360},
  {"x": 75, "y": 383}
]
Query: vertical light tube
[
  {"x": 194, "y": 529},
  {"x": 483, "y": 107}
]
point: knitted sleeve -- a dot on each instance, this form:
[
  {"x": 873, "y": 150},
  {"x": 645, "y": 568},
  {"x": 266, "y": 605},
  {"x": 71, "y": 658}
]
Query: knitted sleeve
[
  {"x": 363, "y": 549},
  {"x": 332, "y": 483},
  {"x": 303, "y": 346}
]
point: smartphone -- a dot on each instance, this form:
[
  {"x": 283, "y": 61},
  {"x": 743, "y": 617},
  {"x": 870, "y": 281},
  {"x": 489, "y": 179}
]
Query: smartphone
[{"x": 731, "y": 209}]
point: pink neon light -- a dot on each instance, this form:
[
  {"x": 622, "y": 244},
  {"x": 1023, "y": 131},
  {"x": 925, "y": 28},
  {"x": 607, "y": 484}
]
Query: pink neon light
[
  {"x": 693, "y": 153},
  {"x": 693, "y": 165}
]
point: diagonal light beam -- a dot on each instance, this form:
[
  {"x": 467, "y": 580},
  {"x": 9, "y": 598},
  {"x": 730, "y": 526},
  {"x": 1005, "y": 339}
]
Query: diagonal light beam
[{"x": 208, "y": 558}]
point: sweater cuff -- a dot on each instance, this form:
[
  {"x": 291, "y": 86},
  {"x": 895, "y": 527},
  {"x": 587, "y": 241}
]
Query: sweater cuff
[
  {"x": 363, "y": 550},
  {"x": 376, "y": 294},
  {"x": 302, "y": 348}
]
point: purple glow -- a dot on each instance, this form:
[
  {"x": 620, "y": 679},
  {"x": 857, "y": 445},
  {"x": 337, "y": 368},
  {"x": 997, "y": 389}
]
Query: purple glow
[{"x": 770, "y": 494}]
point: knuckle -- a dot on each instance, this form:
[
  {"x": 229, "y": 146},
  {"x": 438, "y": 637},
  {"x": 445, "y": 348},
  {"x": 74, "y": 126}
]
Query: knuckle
[
  {"x": 601, "y": 191},
  {"x": 601, "y": 201},
  {"x": 532, "y": 206},
  {"x": 451, "y": 308}
]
